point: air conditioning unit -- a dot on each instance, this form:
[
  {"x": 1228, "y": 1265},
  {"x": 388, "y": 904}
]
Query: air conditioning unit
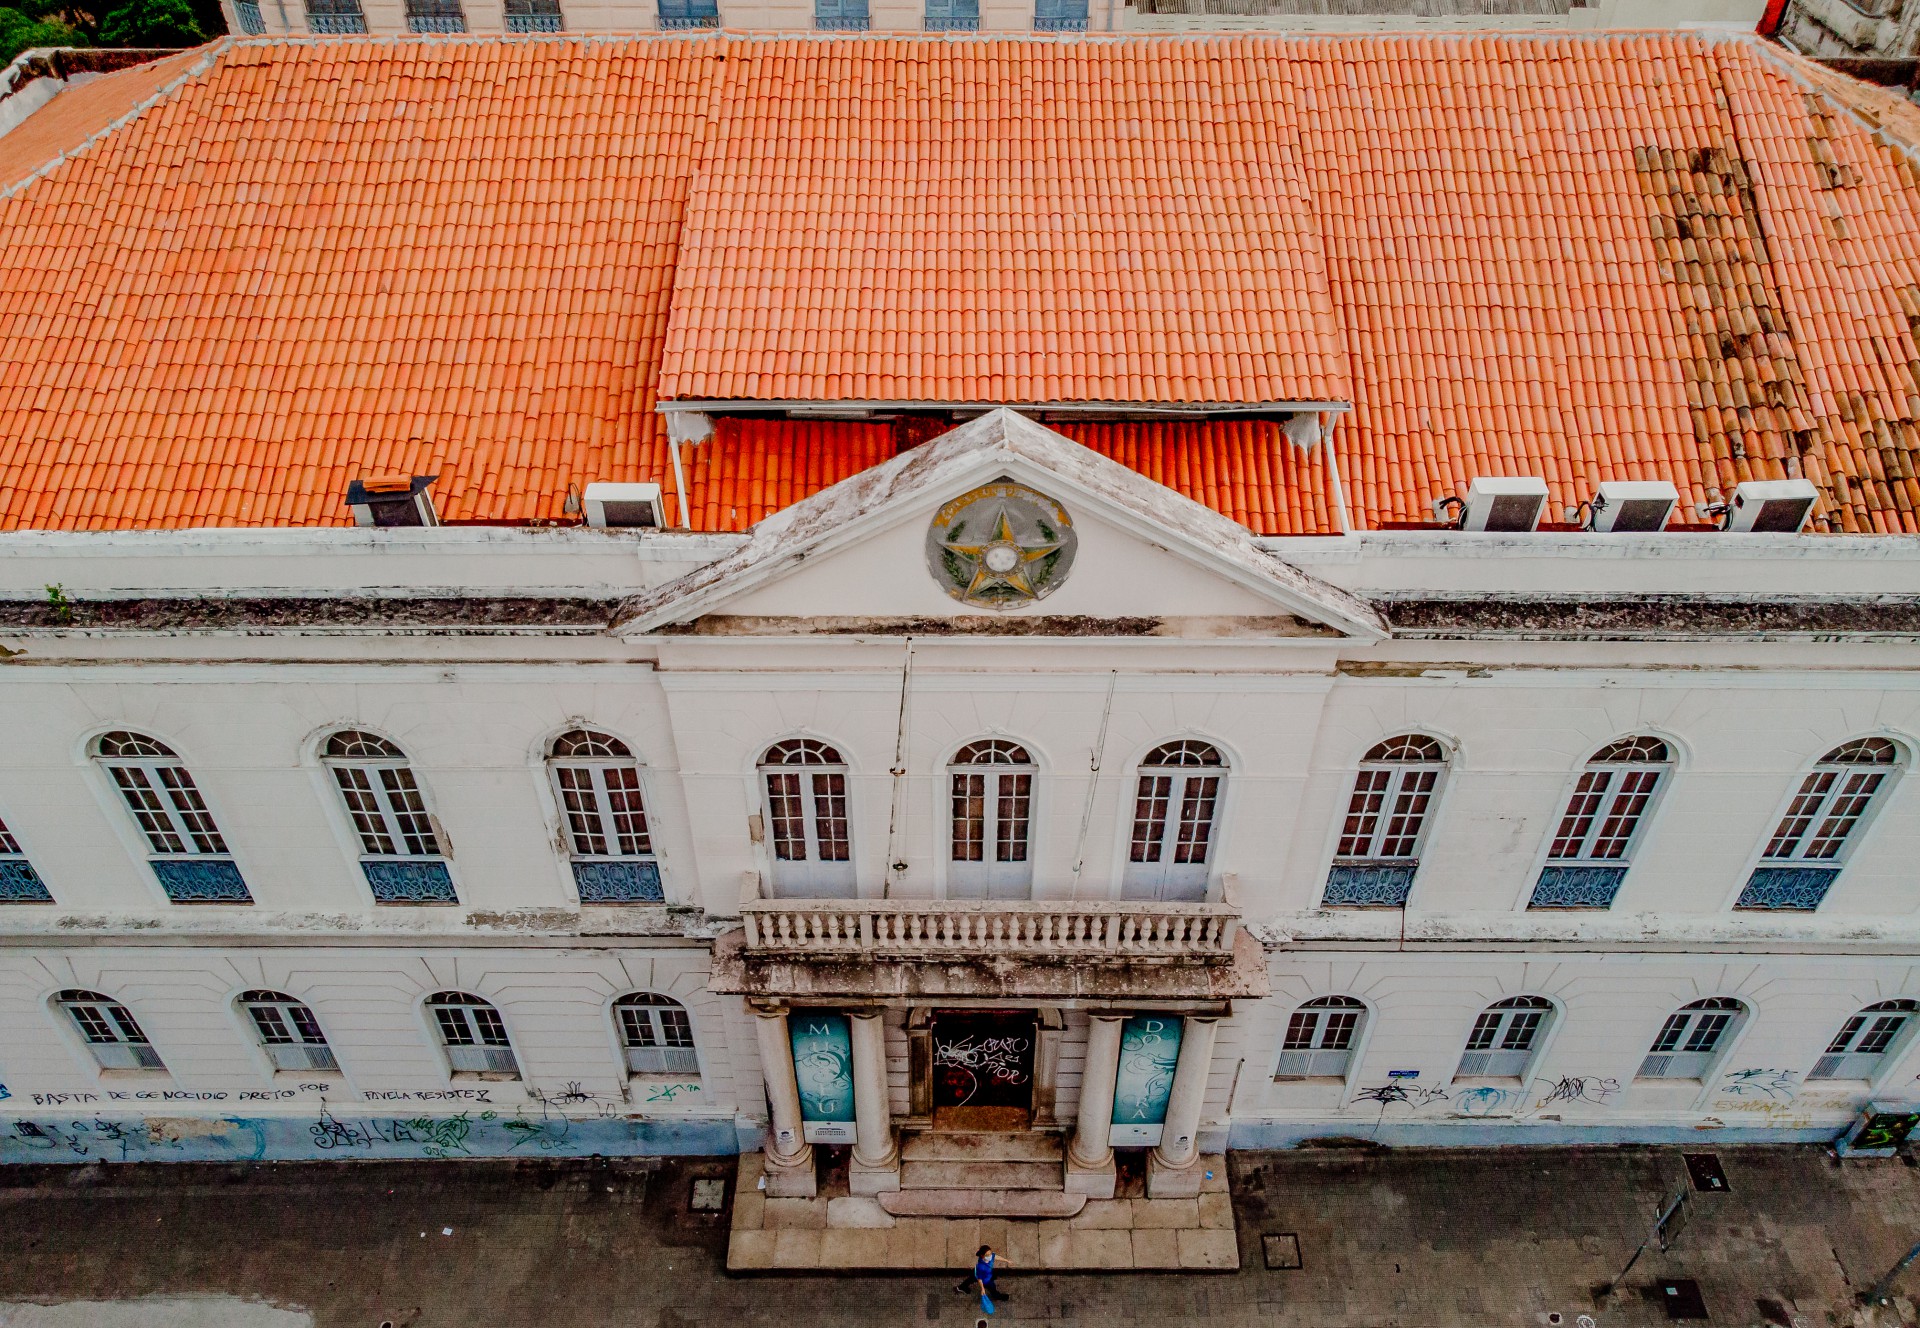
[
  {"x": 624, "y": 505},
  {"x": 392, "y": 500},
  {"x": 1504, "y": 503},
  {"x": 1623, "y": 505},
  {"x": 1779, "y": 507}
]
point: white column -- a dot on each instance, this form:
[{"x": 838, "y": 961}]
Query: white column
[
  {"x": 789, "y": 1156},
  {"x": 876, "y": 1161},
  {"x": 1090, "y": 1169},
  {"x": 1173, "y": 1169}
]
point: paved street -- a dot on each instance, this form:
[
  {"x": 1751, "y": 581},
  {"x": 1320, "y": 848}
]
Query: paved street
[{"x": 1466, "y": 1238}]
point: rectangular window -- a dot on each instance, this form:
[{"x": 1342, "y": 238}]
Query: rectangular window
[
  {"x": 789, "y": 816},
  {"x": 953, "y": 15},
  {"x": 335, "y": 18},
  {"x": 248, "y": 12},
  {"x": 363, "y": 805},
  {"x": 1581, "y": 809},
  {"x": 969, "y": 817},
  {"x": 1844, "y": 814},
  {"x": 1010, "y": 832},
  {"x": 1196, "y": 818},
  {"x": 436, "y": 16},
  {"x": 1060, "y": 16},
  {"x": 1363, "y": 813},
  {"x": 830, "y": 812},
  {"x": 679, "y": 14},
  {"x": 1616, "y": 832},
  {"x": 534, "y": 16},
  {"x": 1409, "y": 812},
  {"x": 840, "y": 15},
  {"x": 1150, "y": 816}
]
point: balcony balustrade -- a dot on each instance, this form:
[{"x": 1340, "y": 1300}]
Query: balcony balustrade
[{"x": 1065, "y": 930}]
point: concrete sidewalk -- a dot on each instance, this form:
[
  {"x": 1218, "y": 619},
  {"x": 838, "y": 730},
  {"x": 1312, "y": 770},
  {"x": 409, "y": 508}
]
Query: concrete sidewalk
[{"x": 1420, "y": 1240}]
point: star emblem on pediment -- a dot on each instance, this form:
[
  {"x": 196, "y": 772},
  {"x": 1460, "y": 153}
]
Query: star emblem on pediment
[{"x": 1000, "y": 546}]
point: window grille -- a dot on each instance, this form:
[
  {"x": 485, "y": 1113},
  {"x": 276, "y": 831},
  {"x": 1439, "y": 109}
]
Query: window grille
[
  {"x": 289, "y": 1032},
  {"x": 1379, "y": 848},
  {"x": 656, "y": 1034},
  {"x": 598, "y": 783},
  {"x": 1320, "y": 1039},
  {"x": 248, "y": 12},
  {"x": 436, "y": 16},
  {"x": 535, "y": 16},
  {"x": 473, "y": 1033},
  {"x": 1175, "y": 805},
  {"x": 840, "y": 15},
  {"x": 335, "y": 18},
  {"x": 110, "y": 1031},
  {"x": 1602, "y": 823},
  {"x": 185, "y": 848},
  {"x": 683, "y": 14},
  {"x": 400, "y": 850},
  {"x": 807, "y": 827},
  {"x": 1860, "y": 1049},
  {"x": 953, "y": 15},
  {"x": 1060, "y": 16},
  {"x": 1504, "y": 1038},
  {"x": 19, "y": 882},
  {"x": 1690, "y": 1039},
  {"x": 991, "y": 786},
  {"x": 1809, "y": 846}
]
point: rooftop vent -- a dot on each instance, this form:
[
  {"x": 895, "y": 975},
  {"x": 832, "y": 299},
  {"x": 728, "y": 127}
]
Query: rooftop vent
[
  {"x": 1500, "y": 503},
  {"x": 1632, "y": 505},
  {"x": 624, "y": 505},
  {"x": 1779, "y": 507},
  {"x": 392, "y": 500}
]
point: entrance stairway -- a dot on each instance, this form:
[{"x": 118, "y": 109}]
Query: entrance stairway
[{"x": 1019, "y": 1174}]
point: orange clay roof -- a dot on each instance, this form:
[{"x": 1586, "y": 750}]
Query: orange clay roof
[{"x": 1578, "y": 256}]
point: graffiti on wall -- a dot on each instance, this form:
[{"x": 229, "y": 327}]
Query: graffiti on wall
[{"x": 1490, "y": 1100}]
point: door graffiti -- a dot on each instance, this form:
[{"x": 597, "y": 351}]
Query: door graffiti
[{"x": 984, "y": 1063}]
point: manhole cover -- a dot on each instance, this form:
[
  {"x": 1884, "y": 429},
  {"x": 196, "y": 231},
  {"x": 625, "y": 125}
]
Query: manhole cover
[
  {"x": 1705, "y": 1171},
  {"x": 709, "y": 1196},
  {"x": 1282, "y": 1251},
  {"x": 1682, "y": 1299}
]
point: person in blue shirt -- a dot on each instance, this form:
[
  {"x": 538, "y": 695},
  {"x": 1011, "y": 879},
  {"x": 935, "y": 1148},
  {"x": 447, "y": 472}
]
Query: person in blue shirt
[{"x": 985, "y": 1264}]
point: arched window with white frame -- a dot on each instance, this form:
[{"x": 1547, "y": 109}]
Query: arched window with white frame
[
  {"x": 110, "y": 1031},
  {"x": 1176, "y": 805},
  {"x": 289, "y": 1032},
  {"x": 597, "y": 782},
  {"x": 809, "y": 837},
  {"x": 1602, "y": 825},
  {"x": 656, "y": 1034},
  {"x": 1822, "y": 823},
  {"x": 1386, "y": 824},
  {"x": 185, "y": 849},
  {"x": 1505, "y": 1038},
  {"x": 990, "y": 854},
  {"x": 1321, "y": 1038},
  {"x": 1864, "y": 1044},
  {"x": 1692, "y": 1039},
  {"x": 473, "y": 1035},
  {"x": 400, "y": 850}
]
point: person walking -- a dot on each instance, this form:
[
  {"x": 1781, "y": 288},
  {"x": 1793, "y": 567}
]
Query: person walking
[{"x": 986, "y": 1262}]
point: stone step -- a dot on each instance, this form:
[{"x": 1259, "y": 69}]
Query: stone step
[
  {"x": 982, "y": 1176},
  {"x": 942, "y": 1146},
  {"x": 1041, "y": 1204}
]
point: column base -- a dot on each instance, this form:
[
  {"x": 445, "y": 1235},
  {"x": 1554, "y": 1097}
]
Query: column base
[
  {"x": 792, "y": 1177},
  {"x": 1166, "y": 1180},
  {"x": 1096, "y": 1182},
  {"x": 864, "y": 1179}
]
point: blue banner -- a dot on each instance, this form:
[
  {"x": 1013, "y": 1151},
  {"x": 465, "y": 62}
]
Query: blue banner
[
  {"x": 1149, "y": 1048},
  {"x": 823, "y": 1064}
]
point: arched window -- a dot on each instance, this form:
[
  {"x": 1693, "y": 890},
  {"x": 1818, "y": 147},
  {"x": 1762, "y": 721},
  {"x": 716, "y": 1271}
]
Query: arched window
[
  {"x": 1505, "y": 1038},
  {"x": 400, "y": 850},
  {"x": 1605, "y": 814},
  {"x": 474, "y": 1035},
  {"x": 992, "y": 789},
  {"x": 185, "y": 848},
  {"x": 1822, "y": 822},
  {"x": 1174, "y": 809},
  {"x": 598, "y": 784},
  {"x": 1320, "y": 1039},
  {"x": 1691, "y": 1038},
  {"x": 807, "y": 831},
  {"x": 288, "y": 1031},
  {"x": 1861, "y": 1048},
  {"x": 1379, "y": 849},
  {"x": 110, "y": 1031},
  {"x": 656, "y": 1033}
]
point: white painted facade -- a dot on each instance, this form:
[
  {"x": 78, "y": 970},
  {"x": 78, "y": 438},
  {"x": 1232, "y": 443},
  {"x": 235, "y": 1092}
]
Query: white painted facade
[{"x": 1745, "y": 712}]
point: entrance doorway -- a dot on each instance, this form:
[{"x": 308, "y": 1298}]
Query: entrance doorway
[{"x": 983, "y": 1070}]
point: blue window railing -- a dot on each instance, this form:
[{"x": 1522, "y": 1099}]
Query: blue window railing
[
  {"x": 1577, "y": 887},
  {"x": 21, "y": 884},
  {"x": 201, "y": 881},
  {"x": 1787, "y": 889},
  {"x": 953, "y": 15},
  {"x": 630, "y": 882},
  {"x": 409, "y": 881},
  {"x": 1369, "y": 885},
  {"x": 841, "y": 15},
  {"x": 535, "y": 23},
  {"x": 1060, "y": 16},
  {"x": 684, "y": 15}
]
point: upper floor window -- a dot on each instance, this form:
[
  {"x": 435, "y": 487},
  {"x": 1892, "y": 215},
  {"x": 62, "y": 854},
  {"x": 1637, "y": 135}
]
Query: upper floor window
[
  {"x": 1820, "y": 826},
  {"x": 992, "y": 790},
  {"x": 437, "y": 16},
  {"x": 400, "y": 849},
  {"x": 1174, "y": 808},
  {"x": 289, "y": 1032},
  {"x": 1060, "y": 15},
  {"x": 19, "y": 882},
  {"x": 1505, "y": 1038},
  {"x": 251, "y": 22},
  {"x": 1861, "y": 1048},
  {"x": 1691, "y": 1038},
  {"x": 1379, "y": 849},
  {"x": 1320, "y": 1040},
  {"x": 184, "y": 847},
  {"x": 689, "y": 14},
  {"x": 953, "y": 15},
  {"x": 840, "y": 15},
  {"x": 333, "y": 18},
  {"x": 598, "y": 784},
  {"x": 806, "y": 785},
  {"x": 1604, "y": 817},
  {"x": 656, "y": 1034},
  {"x": 110, "y": 1031},
  {"x": 473, "y": 1034},
  {"x": 534, "y": 16}
]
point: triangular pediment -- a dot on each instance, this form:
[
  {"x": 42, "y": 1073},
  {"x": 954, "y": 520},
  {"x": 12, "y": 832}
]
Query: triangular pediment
[{"x": 1004, "y": 527}]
